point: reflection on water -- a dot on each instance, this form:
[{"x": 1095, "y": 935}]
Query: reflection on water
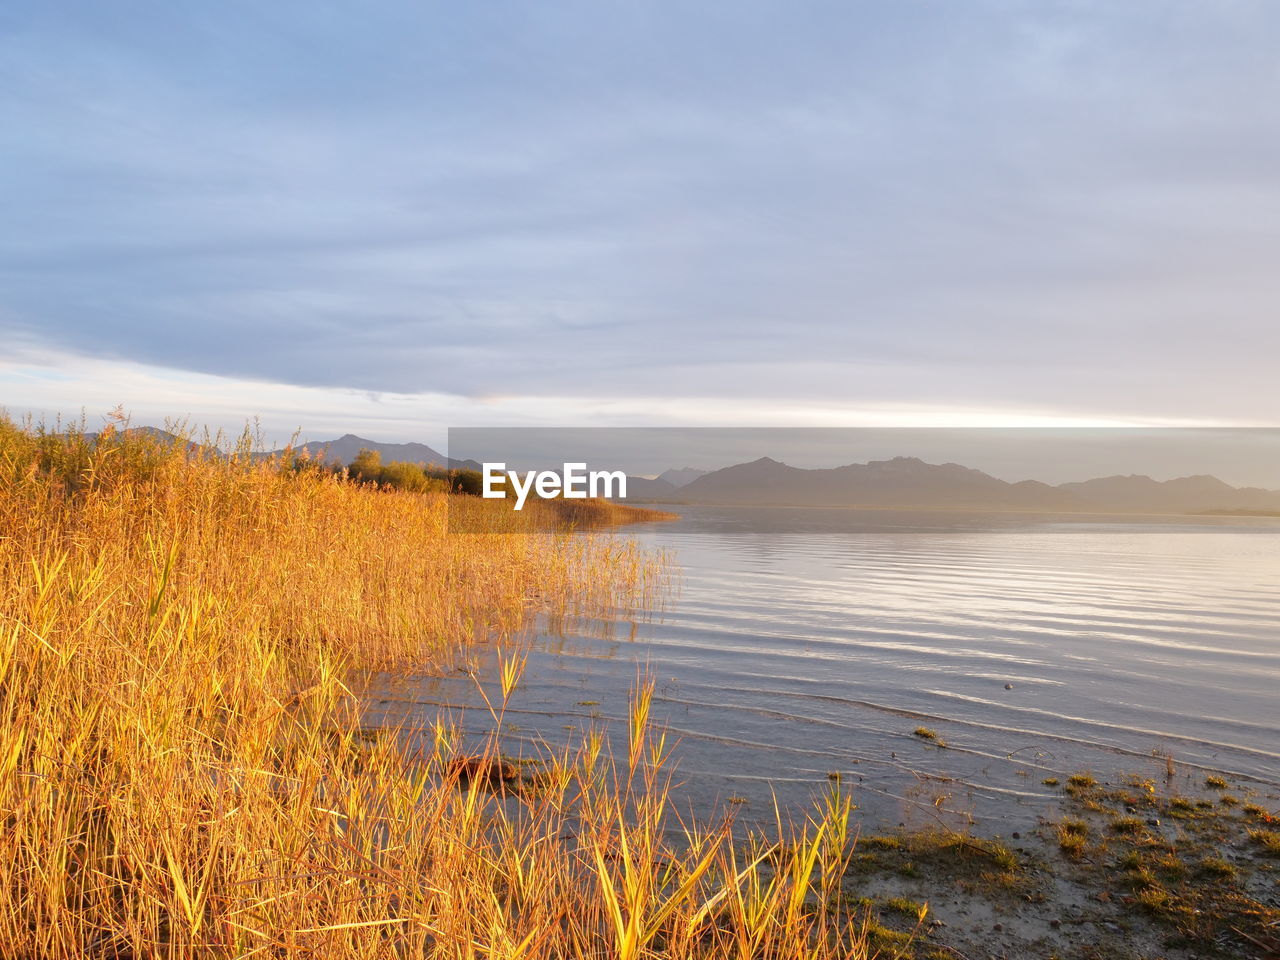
[{"x": 810, "y": 642}]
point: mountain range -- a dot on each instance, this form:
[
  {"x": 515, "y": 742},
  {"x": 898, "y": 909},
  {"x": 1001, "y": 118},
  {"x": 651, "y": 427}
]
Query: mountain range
[
  {"x": 678, "y": 478},
  {"x": 345, "y": 449},
  {"x": 909, "y": 482},
  {"x": 338, "y": 452},
  {"x": 900, "y": 483}
]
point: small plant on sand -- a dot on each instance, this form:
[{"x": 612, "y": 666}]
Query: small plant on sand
[
  {"x": 1132, "y": 860},
  {"x": 1268, "y": 840},
  {"x": 1081, "y": 781},
  {"x": 1127, "y": 825},
  {"x": 881, "y": 843},
  {"x": 1215, "y": 867},
  {"x": 1073, "y": 836},
  {"x": 1153, "y": 899},
  {"x": 907, "y": 908},
  {"x": 1145, "y": 786},
  {"x": 1171, "y": 866},
  {"x": 1138, "y": 878}
]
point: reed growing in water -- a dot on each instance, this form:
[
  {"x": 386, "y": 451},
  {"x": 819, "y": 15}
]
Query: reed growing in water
[{"x": 183, "y": 772}]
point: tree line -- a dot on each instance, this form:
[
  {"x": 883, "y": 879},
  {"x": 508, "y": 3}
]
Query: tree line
[{"x": 368, "y": 467}]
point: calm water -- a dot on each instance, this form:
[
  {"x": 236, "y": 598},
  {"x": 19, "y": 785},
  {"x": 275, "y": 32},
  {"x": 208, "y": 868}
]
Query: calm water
[{"x": 807, "y": 642}]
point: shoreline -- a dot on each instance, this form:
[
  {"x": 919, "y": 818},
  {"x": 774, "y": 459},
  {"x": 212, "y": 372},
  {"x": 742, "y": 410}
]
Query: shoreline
[
  {"x": 1126, "y": 870},
  {"x": 1131, "y": 867},
  {"x": 973, "y": 510}
]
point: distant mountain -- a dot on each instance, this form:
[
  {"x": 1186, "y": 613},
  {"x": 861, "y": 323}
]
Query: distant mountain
[
  {"x": 1183, "y": 495},
  {"x": 164, "y": 436},
  {"x": 340, "y": 451},
  {"x": 905, "y": 482},
  {"x": 643, "y": 488},
  {"x": 678, "y": 478},
  {"x": 900, "y": 482},
  {"x": 345, "y": 448}
]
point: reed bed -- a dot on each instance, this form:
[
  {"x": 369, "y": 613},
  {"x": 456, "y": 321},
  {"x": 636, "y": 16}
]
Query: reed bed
[
  {"x": 594, "y": 512},
  {"x": 183, "y": 772}
]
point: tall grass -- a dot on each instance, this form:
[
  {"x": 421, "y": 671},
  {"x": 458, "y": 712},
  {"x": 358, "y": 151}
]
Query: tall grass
[{"x": 183, "y": 773}]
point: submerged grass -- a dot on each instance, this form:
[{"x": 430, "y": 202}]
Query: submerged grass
[{"x": 183, "y": 772}]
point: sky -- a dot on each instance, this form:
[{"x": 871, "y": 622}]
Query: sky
[{"x": 395, "y": 218}]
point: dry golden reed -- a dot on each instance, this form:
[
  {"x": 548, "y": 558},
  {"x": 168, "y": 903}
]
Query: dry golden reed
[{"x": 182, "y": 769}]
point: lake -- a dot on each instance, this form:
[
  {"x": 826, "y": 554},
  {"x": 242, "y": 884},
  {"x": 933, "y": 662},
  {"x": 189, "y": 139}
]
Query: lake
[{"x": 804, "y": 644}]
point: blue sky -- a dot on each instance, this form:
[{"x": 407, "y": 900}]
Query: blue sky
[{"x": 395, "y": 217}]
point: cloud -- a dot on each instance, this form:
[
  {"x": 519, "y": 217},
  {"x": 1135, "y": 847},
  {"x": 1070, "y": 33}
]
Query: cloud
[
  {"x": 1061, "y": 207},
  {"x": 35, "y": 381}
]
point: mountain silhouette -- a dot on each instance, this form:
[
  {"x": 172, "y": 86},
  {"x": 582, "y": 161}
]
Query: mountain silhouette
[
  {"x": 899, "y": 483},
  {"x": 644, "y": 488},
  {"x": 678, "y": 478},
  {"x": 907, "y": 482},
  {"x": 345, "y": 448}
]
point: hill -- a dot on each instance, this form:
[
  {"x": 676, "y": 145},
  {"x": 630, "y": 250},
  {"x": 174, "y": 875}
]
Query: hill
[
  {"x": 678, "y": 478},
  {"x": 345, "y": 448}
]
